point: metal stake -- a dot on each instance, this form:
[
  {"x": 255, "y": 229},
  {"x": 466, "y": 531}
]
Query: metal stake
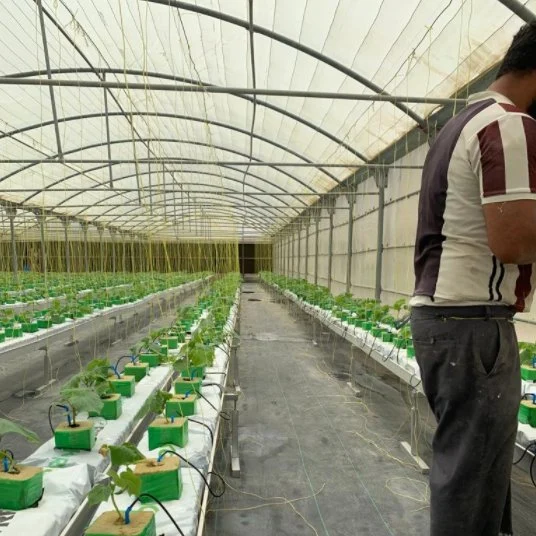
[
  {"x": 11, "y": 213},
  {"x": 381, "y": 182}
]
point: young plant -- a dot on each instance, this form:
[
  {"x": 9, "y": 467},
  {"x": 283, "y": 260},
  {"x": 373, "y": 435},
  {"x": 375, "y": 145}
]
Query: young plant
[
  {"x": 158, "y": 403},
  {"x": 399, "y": 306},
  {"x": 120, "y": 481},
  {"x": 10, "y": 427},
  {"x": 80, "y": 399}
]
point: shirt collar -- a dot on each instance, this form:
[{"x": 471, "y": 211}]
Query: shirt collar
[{"x": 483, "y": 95}]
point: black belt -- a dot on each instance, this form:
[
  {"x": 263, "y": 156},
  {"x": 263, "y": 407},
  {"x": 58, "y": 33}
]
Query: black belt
[{"x": 477, "y": 312}]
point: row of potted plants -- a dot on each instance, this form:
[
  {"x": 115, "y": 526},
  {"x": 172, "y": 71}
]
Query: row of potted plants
[
  {"x": 15, "y": 323},
  {"x": 99, "y": 389},
  {"x": 380, "y": 320}
]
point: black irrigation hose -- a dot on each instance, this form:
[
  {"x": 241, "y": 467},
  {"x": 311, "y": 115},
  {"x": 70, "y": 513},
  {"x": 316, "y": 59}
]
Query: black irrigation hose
[
  {"x": 531, "y": 467},
  {"x": 206, "y": 426},
  {"x": 50, "y": 414},
  {"x": 223, "y": 414},
  {"x": 190, "y": 464},
  {"x": 127, "y": 513}
]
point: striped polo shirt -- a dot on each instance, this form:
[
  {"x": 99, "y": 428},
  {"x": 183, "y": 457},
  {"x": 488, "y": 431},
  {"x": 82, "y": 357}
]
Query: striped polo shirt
[{"x": 485, "y": 154}]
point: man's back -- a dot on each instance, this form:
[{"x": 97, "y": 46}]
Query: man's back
[{"x": 473, "y": 162}]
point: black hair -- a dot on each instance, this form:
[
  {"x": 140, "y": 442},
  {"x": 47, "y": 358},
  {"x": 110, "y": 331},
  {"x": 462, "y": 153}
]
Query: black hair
[{"x": 521, "y": 56}]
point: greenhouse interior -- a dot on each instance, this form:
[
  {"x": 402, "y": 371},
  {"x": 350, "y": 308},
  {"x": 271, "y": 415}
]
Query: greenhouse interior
[{"x": 237, "y": 295}]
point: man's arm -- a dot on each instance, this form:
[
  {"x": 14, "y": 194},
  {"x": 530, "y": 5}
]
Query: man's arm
[{"x": 507, "y": 169}]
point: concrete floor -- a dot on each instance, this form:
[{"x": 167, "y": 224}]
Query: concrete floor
[{"x": 319, "y": 458}]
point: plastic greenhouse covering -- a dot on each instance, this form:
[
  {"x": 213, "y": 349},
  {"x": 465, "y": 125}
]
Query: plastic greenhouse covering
[{"x": 173, "y": 163}]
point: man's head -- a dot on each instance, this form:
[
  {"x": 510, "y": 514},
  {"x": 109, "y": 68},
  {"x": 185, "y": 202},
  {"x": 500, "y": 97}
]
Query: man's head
[{"x": 519, "y": 66}]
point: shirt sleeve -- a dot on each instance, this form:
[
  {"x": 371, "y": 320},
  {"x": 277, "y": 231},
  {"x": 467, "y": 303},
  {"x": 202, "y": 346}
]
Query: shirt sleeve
[{"x": 506, "y": 159}]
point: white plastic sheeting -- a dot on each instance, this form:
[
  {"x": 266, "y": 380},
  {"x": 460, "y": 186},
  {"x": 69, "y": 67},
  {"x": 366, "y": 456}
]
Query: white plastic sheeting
[{"x": 418, "y": 48}]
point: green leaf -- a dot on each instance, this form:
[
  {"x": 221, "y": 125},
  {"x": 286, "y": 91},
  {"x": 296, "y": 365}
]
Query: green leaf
[
  {"x": 125, "y": 454},
  {"x": 126, "y": 480},
  {"x": 158, "y": 402},
  {"x": 100, "y": 493},
  {"x": 82, "y": 399},
  {"x": 10, "y": 427}
]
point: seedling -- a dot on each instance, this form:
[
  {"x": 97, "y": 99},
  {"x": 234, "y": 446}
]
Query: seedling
[{"x": 119, "y": 481}]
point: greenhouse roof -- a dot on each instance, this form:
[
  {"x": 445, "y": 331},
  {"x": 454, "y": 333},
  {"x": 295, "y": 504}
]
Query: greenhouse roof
[{"x": 222, "y": 119}]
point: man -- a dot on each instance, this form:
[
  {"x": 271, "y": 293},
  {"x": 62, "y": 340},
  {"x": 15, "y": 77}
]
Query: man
[{"x": 474, "y": 255}]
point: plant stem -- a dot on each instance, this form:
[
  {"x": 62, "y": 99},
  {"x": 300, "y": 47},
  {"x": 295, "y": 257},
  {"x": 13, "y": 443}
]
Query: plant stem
[{"x": 119, "y": 513}]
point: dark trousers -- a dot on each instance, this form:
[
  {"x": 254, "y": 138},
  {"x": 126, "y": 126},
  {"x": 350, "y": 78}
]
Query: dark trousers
[{"x": 469, "y": 362}]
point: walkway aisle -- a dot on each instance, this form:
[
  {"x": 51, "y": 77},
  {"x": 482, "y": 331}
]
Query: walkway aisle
[{"x": 299, "y": 437}]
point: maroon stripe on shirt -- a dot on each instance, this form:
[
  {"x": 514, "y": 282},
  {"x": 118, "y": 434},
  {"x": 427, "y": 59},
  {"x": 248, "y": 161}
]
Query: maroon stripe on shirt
[
  {"x": 492, "y": 160},
  {"x": 529, "y": 125},
  {"x": 523, "y": 286},
  {"x": 511, "y": 108}
]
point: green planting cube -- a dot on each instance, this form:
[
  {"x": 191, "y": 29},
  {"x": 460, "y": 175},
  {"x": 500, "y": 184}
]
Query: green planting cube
[
  {"x": 164, "y": 432},
  {"x": 185, "y": 385},
  {"x": 44, "y": 323},
  {"x": 81, "y": 437},
  {"x": 527, "y": 413},
  {"x": 193, "y": 372},
  {"x": 410, "y": 350},
  {"x": 138, "y": 370},
  {"x": 377, "y": 332},
  {"x": 30, "y": 327},
  {"x": 367, "y": 326},
  {"x": 153, "y": 360},
  {"x": 21, "y": 490},
  {"x": 2, "y": 335},
  {"x": 528, "y": 372},
  {"x": 171, "y": 342},
  {"x": 387, "y": 337},
  {"x": 58, "y": 319},
  {"x": 125, "y": 385},
  {"x": 141, "y": 524},
  {"x": 160, "y": 479},
  {"x": 13, "y": 331},
  {"x": 181, "y": 406},
  {"x": 111, "y": 409}
]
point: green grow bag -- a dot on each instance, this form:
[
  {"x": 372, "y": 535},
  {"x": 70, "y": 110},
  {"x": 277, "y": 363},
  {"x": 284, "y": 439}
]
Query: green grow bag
[
  {"x": 181, "y": 406},
  {"x": 125, "y": 386},
  {"x": 22, "y": 490},
  {"x": 171, "y": 342},
  {"x": 527, "y": 413},
  {"x": 528, "y": 373},
  {"x": 141, "y": 524},
  {"x": 138, "y": 370},
  {"x": 44, "y": 323},
  {"x": 30, "y": 327},
  {"x": 185, "y": 385},
  {"x": 162, "y": 481},
  {"x": 112, "y": 408},
  {"x": 153, "y": 360},
  {"x": 164, "y": 432},
  {"x": 80, "y": 438}
]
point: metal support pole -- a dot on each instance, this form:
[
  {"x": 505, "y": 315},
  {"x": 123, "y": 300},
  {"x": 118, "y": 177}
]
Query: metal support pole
[
  {"x": 41, "y": 219},
  {"x": 132, "y": 254},
  {"x": 317, "y": 231},
  {"x": 331, "y": 212},
  {"x": 66, "y": 224},
  {"x": 306, "y": 268},
  {"x": 11, "y": 213},
  {"x": 101, "y": 241},
  {"x": 49, "y": 76},
  {"x": 288, "y": 254},
  {"x": 293, "y": 249},
  {"x": 108, "y": 140},
  {"x": 299, "y": 249},
  {"x": 114, "y": 259},
  {"x": 85, "y": 227},
  {"x": 519, "y": 9},
  {"x": 381, "y": 182},
  {"x": 349, "y": 253},
  {"x": 124, "y": 252}
]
